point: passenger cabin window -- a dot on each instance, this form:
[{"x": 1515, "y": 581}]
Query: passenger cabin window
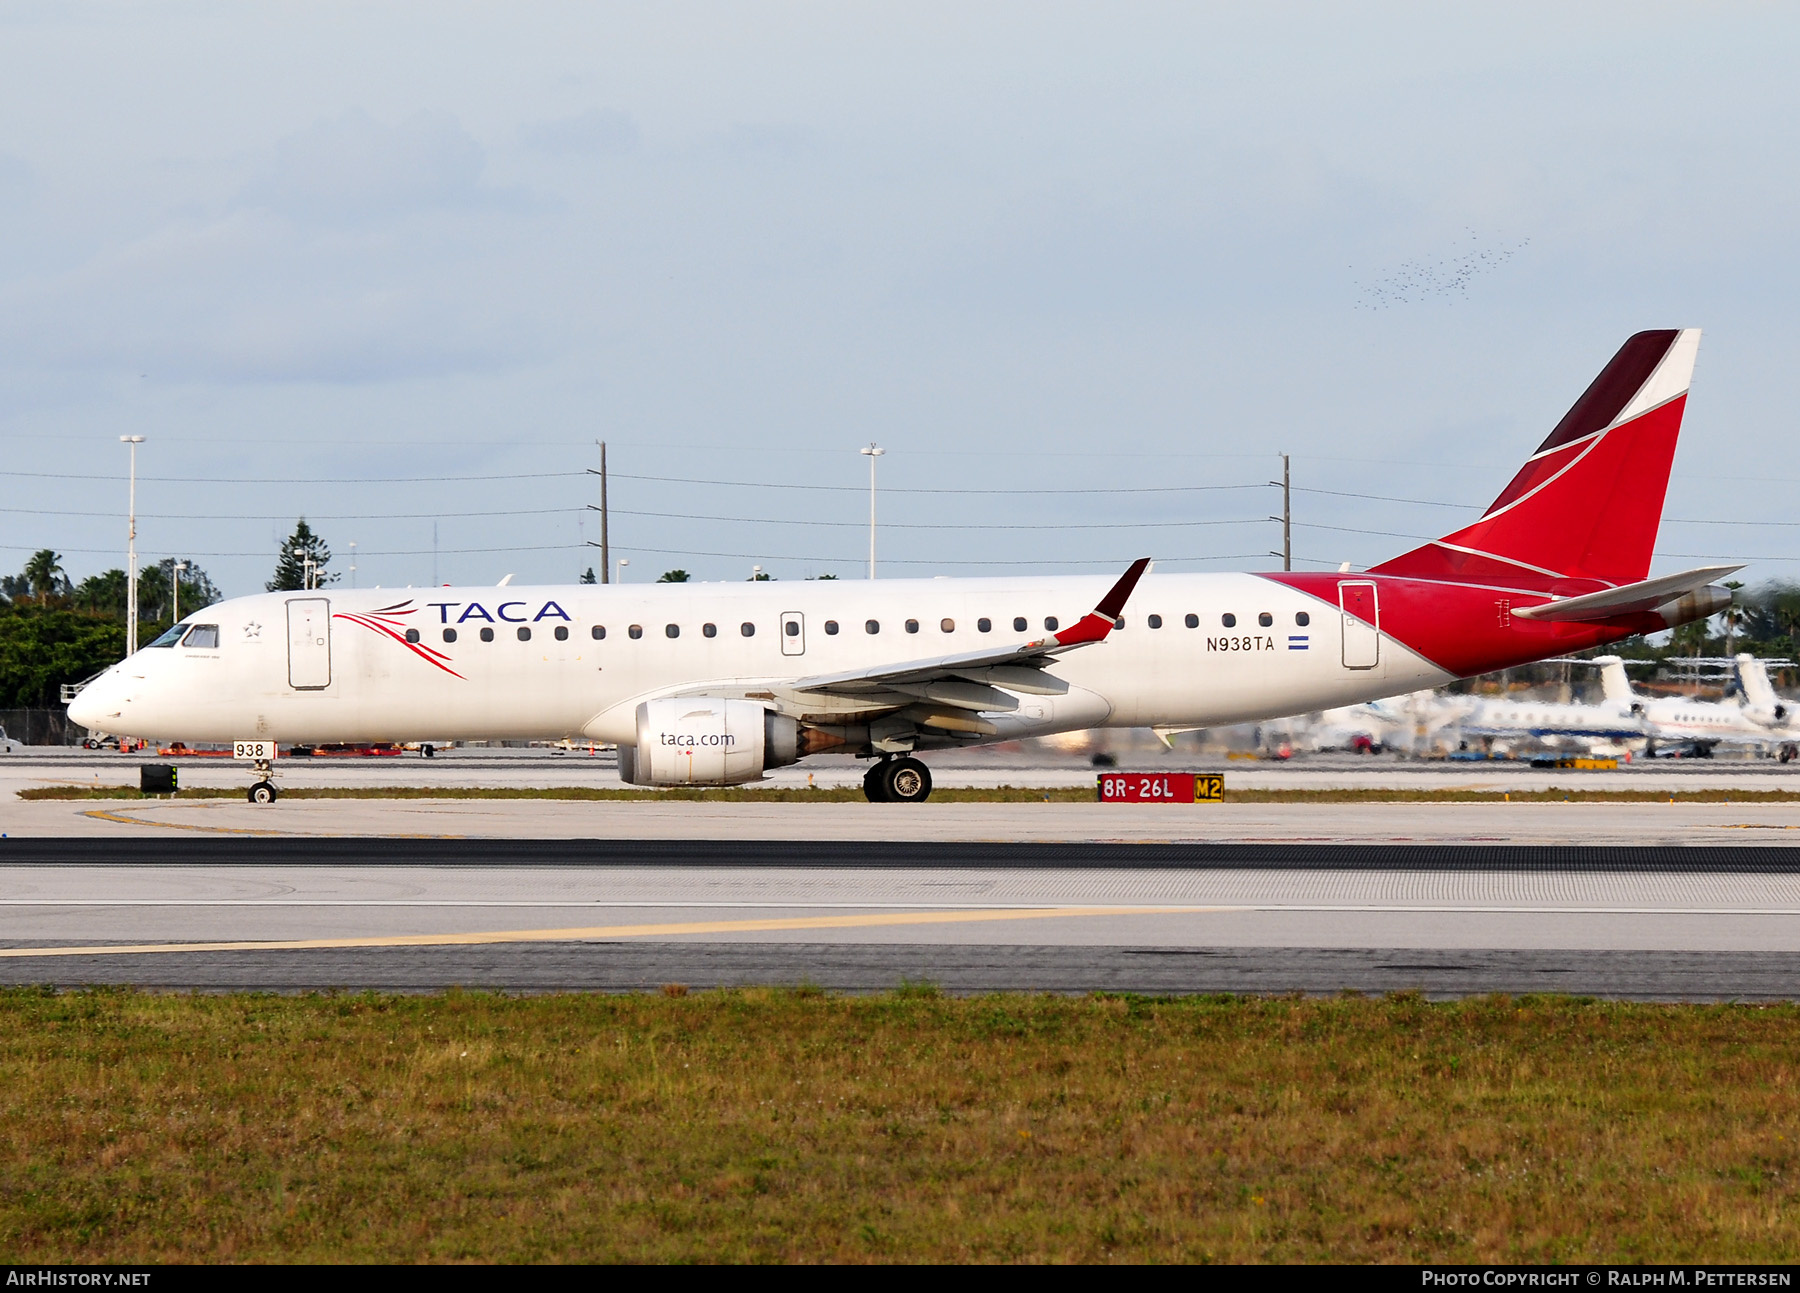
[
  {"x": 1051, "y": 623},
  {"x": 1018, "y": 624},
  {"x": 1154, "y": 621},
  {"x": 635, "y": 631},
  {"x": 830, "y": 628},
  {"x": 487, "y": 635},
  {"x": 412, "y": 635},
  {"x": 947, "y": 625},
  {"x": 171, "y": 637},
  {"x": 671, "y": 630},
  {"x": 709, "y": 630},
  {"x": 562, "y": 632},
  {"x": 1228, "y": 620},
  {"x": 912, "y": 626},
  {"x": 871, "y": 626},
  {"x": 1192, "y": 620},
  {"x": 747, "y": 629},
  {"x": 524, "y": 633},
  {"x": 1302, "y": 618},
  {"x": 984, "y": 625},
  {"x": 598, "y": 633},
  {"x": 205, "y": 637},
  {"x": 1265, "y": 619},
  {"x": 449, "y": 635},
  {"x": 791, "y": 628}
]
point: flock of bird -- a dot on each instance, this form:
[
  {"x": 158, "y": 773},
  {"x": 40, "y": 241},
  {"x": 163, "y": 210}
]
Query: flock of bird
[{"x": 1446, "y": 277}]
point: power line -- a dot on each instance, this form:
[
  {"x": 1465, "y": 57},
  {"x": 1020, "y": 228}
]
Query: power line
[
  {"x": 886, "y": 489},
  {"x": 298, "y": 480},
  {"x": 921, "y": 561},
  {"x": 1382, "y": 498},
  {"x": 903, "y": 525},
  {"x": 620, "y": 511}
]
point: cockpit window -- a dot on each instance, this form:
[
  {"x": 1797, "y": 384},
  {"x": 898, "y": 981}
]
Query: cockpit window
[
  {"x": 203, "y": 637},
  {"x": 171, "y": 637}
]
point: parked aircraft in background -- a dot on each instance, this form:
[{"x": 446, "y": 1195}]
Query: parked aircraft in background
[
  {"x": 1757, "y": 718},
  {"x": 712, "y": 684}
]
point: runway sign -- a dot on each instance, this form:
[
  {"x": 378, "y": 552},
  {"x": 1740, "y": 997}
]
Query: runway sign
[{"x": 1162, "y": 787}]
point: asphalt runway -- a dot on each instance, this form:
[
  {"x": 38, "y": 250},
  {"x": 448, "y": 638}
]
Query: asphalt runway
[
  {"x": 986, "y": 766},
  {"x": 285, "y": 914}
]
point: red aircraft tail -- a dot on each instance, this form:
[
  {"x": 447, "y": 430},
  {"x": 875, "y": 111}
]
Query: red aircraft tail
[{"x": 1585, "y": 508}]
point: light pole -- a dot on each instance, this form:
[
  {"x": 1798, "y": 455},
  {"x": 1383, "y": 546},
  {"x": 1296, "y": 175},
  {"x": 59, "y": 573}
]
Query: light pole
[
  {"x": 872, "y": 451},
  {"x": 623, "y": 562},
  {"x": 131, "y": 570},
  {"x": 175, "y": 590},
  {"x": 353, "y": 563}
]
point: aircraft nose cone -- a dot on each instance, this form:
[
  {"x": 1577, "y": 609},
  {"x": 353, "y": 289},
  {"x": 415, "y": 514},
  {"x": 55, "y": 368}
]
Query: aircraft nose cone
[{"x": 95, "y": 702}]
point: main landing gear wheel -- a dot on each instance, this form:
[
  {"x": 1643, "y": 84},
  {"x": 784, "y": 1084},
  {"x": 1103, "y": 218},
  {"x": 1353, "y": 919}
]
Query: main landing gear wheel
[
  {"x": 906, "y": 781},
  {"x": 263, "y": 792},
  {"x": 873, "y": 788}
]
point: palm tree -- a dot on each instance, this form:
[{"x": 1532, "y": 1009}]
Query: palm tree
[
  {"x": 44, "y": 574},
  {"x": 673, "y": 577},
  {"x": 1784, "y": 609},
  {"x": 1734, "y": 615}
]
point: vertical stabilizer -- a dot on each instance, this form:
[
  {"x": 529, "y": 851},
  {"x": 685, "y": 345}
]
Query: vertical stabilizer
[
  {"x": 1759, "y": 692},
  {"x": 1586, "y": 506},
  {"x": 1615, "y": 686}
]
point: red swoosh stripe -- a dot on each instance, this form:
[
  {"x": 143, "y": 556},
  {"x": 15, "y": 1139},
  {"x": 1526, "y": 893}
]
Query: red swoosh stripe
[{"x": 424, "y": 653}]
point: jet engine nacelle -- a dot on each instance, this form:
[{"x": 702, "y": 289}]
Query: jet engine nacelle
[
  {"x": 1702, "y": 603},
  {"x": 706, "y": 741}
]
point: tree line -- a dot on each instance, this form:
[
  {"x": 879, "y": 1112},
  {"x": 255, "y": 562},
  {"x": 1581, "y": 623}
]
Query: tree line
[{"x": 54, "y": 630}]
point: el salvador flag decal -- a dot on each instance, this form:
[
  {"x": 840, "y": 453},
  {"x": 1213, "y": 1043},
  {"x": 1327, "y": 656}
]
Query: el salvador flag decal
[{"x": 1297, "y": 641}]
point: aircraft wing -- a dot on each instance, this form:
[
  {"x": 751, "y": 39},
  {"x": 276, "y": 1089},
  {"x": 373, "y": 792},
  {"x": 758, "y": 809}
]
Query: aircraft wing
[{"x": 968, "y": 680}]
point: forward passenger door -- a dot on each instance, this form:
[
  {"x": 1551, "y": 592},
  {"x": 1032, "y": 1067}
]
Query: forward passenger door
[{"x": 309, "y": 643}]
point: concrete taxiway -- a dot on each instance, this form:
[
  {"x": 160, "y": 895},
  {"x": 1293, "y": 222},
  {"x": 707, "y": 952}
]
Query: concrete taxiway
[
  {"x": 1654, "y": 900},
  {"x": 287, "y": 913}
]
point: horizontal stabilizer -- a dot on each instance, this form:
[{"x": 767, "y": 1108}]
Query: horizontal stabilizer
[{"x": 1627, "y": 599}]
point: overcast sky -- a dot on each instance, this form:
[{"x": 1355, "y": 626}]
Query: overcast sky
[{"x": 397, "y": 267}]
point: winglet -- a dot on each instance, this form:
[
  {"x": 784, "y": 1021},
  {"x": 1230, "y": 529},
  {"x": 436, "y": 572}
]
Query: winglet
[{"x": 1097, "y": 623}]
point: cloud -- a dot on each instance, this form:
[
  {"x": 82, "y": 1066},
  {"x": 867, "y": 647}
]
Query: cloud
[
  {"x": 251, "y": 296},
  {"x": 598, "y": 132},
  {"x": 353, "y": 168}
]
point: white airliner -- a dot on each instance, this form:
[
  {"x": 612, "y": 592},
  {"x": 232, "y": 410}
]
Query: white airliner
[{"x": 712, "y": 684}]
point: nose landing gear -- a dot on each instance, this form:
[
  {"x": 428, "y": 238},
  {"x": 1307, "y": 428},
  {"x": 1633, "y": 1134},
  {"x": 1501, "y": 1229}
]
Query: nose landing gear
[
  {"x": 264, "y": 792},
  {"x": 897, "y": 781}
]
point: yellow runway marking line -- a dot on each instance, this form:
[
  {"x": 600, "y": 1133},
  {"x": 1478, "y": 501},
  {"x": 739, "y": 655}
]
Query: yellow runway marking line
[
  {"x": 102, "y": 815},
  {"x": 585, "y": 933}
]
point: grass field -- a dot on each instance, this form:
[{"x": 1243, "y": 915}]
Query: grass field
[
  {"x": 788, "y": 1125},
  {"x": 943, "y": 794}
]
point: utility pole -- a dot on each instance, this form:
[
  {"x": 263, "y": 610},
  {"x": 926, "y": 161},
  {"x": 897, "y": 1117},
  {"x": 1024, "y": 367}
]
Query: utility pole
[
  {"x": 131, "y": 570},
  {"x": 1287, "y": 516},
  {"x": 873, "y": 451},
  {"x": 605, "y": 544}
]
